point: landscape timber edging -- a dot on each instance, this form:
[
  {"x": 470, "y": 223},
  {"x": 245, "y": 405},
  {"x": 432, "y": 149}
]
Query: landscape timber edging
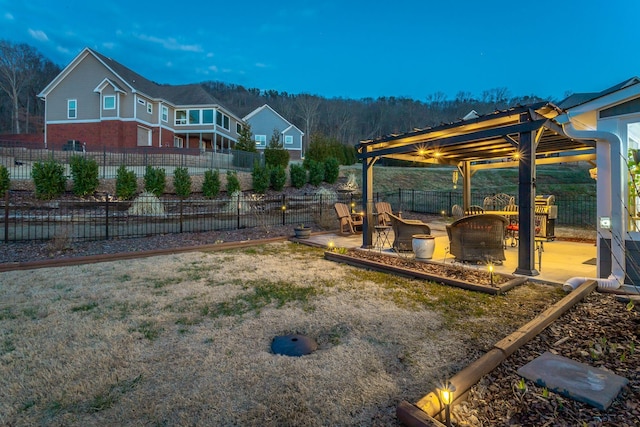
[
  {"x": 407, "y": 272},
  {"x": 420, "y": 413}
]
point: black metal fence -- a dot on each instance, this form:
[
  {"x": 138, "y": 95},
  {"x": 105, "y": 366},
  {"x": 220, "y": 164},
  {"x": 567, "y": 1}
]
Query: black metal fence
[
  {"x": 108, "y": 219},
  {"x": 573, "y": 210},
  {"x": 19, "y": 159}
]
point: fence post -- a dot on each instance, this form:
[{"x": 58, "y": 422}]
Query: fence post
[
  {"x": 106, "y": 217},
  {"x": 104, "y": 162},
  {"x": 181, "y": 207},
  {"x": 6, "y": 217},
  {"x": 238, "y": 215}
]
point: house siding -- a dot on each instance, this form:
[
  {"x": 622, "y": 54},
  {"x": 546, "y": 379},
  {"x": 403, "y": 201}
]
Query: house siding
[
  {"x": 80, "y": 85},
  {"x": 266, "y": 120}
]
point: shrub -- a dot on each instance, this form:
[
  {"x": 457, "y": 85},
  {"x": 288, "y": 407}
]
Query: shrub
[
  {"x": 322, "y": 147},
  {"x": 233, "y": 183},
  {"x": 5, "y": 181},
  {"x": 155, "y": 180},
  {"x": 182, "y": 182},
  {"x": 211, "y": 184},
  {"x": 84, "y": 173},
  {"x": 275, "y": 154},
  {"x": 298, "y": 175},
  {"x": 126, "y": 183},
  {"x": 331, "y": 170},
  {"x": 316, "y": 173},
  {"x": 49, "y": 179},
  {"x": 278, "y": 178},
  {"x": 260, "y": 178}
]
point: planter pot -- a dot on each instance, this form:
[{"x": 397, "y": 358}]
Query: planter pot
[
  {"x": 423, "y": 245},
  {"x": 302, "y": 233}
]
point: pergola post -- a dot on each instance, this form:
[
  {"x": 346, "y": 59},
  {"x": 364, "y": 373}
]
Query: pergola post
[
  {"x": 526, "y": 200},
  {"x": 367, "y": 200}
]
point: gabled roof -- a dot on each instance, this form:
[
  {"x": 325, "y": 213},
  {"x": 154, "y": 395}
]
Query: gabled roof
[
  {"x": 582, "y": 98},
  {"x": 267, "y": 107},
  {"x": 177, "y": 95}
]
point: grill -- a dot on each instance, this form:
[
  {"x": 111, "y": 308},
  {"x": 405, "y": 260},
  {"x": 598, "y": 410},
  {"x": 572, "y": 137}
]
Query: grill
[{"x": 546, "y": 212}]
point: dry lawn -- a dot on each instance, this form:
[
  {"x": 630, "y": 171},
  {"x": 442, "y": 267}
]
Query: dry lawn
[{"x": 185, "y": 340}]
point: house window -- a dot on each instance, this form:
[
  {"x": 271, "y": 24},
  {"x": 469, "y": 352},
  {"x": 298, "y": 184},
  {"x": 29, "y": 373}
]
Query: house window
[
  {"x": 288, "y": 139},
  {"x": 165, "y": 113},
  {"x": 149, "y": 108},
  {"x": 72, "y": 108},
  {"x": 222, "y": 120},
  {"x": 207, "y": 116},
  {"x": 142, "y": 101},
  {"x": 238, "y": 128},
  {"x": 109, "y": 102},
  {"x": 178, "y": 142},
  {"x": 261, "y": 140},
  {"x": 194, "y": 117},
  {"x": 181, "y": 117}
]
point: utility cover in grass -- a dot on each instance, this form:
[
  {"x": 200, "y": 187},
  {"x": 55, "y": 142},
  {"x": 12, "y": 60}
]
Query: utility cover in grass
[
  {"x": 293, "y": 345},
  {"x": 576, "y": 380}
]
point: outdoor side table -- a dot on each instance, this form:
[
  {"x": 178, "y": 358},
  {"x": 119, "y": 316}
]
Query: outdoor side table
[{"x": 382, "y": 236}]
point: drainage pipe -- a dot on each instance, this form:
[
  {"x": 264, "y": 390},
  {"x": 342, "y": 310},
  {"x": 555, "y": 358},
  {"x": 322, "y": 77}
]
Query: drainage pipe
[{"x": 616, "y": 279}]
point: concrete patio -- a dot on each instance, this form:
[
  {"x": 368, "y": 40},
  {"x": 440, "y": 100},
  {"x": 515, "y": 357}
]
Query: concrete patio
[{"x": 560, "y": 260}]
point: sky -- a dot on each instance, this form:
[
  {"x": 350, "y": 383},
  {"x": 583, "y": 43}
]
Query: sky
[{"x": 347, "y": 49}]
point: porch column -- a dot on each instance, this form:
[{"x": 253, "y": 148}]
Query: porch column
[
  {"x": 367, "y": 201},
  {"x": 526, "y": 201}
]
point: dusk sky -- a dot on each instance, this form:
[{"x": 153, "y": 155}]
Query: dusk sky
[{"x": 348, "y": 49}]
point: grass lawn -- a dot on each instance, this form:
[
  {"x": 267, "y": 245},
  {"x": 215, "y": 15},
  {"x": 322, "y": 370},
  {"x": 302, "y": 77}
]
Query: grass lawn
[{"x": 185, "y": 339}]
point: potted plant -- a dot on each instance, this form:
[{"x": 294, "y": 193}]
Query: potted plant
[{"x": 302, "y": 232}]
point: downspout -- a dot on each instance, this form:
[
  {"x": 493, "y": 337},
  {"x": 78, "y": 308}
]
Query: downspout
[{"x": 617, "y": 276}]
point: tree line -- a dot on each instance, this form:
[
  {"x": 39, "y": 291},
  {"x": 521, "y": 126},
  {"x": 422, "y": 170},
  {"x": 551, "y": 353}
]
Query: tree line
[{"x": 24, "y": 72}]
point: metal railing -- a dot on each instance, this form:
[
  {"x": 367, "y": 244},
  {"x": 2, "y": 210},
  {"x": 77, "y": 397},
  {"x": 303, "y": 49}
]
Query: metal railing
[
  {"x": 19, "y": 159},
  {"x": 106, "y": 219},
  {"x": 573, "y": 210}
]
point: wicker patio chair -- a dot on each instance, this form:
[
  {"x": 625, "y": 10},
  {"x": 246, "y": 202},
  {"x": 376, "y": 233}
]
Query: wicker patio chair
[
  {"x": 478, "y": 238},
  {"x": 349, "y": 223},
  {"x": 404, "y": 229},
  {"x": 457, "y": 212}
]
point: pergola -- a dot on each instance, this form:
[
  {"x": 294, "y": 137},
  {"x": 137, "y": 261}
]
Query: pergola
[{"x": 522, "y": 137}]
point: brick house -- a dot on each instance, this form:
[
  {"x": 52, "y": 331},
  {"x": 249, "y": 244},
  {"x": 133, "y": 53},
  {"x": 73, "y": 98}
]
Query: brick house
[{"x": 102, "y": 103}]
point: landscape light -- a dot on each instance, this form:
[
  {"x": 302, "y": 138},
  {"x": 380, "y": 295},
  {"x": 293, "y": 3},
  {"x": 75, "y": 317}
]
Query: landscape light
[
  {"x": 491, "y": 272},
  {"x": 446, "y": 394}
]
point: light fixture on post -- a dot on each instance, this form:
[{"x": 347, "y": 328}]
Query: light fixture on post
[{"x": 446, "y": 397}]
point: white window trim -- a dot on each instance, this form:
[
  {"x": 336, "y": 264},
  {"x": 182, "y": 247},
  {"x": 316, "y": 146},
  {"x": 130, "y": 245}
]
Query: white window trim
[
  {"x": 75, "y": 110},
  {"x": 164, "y": 113},
  {"x": 104, "y": 102},
  {"x": 261, "y": 140},
  {"x": 181, "y": 122},
  {"x": 149, "y": 108},
  {"x": 288, "y": 139},
  {"x": 142, "y": 101}
]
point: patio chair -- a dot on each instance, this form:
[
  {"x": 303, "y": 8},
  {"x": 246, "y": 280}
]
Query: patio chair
[
  {"x": 349, "y": 223},
  {"x": 457, "y": 212},
  {"x": 478, "y": 238},
  {"x": 474, "y": 210},
  {"x": 382, "y": 211},
  {"x": 404, "y": 229}
]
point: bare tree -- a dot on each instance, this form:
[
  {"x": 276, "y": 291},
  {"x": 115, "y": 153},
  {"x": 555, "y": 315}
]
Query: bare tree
[
  {"x": 19, "y": 64},
  {"x": 308, "y": 110}
]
